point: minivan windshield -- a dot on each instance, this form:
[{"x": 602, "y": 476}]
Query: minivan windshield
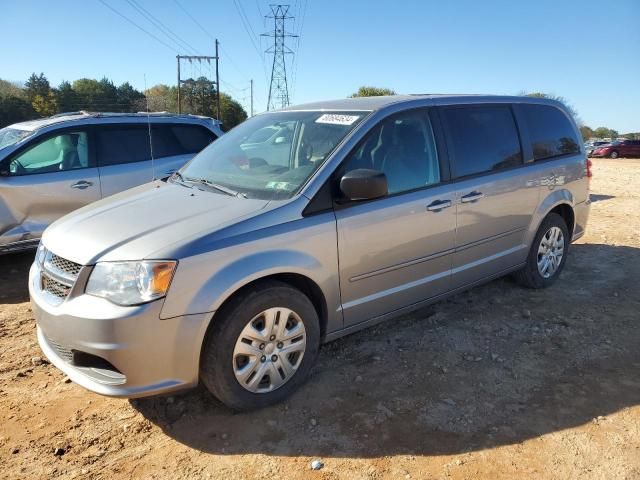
[
  {"x": 270, "y": 156},
  {"x": 9, "y": 136}
]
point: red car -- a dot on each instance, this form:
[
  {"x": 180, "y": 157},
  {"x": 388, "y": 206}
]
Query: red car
[{"x": 624, "y": 148}]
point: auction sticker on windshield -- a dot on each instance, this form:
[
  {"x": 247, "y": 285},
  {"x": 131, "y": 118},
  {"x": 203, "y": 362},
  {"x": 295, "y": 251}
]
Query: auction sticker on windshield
[{"x": 335, "y": 119}]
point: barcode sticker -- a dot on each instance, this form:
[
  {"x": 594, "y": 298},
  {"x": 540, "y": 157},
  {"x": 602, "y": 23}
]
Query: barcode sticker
[{"x": 334, "y": 119}]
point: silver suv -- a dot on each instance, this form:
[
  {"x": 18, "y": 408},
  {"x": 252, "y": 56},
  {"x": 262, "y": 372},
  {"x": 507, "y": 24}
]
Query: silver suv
[
  {"x": 53, "y": 166},
  {"x": 335, "y": 216}
]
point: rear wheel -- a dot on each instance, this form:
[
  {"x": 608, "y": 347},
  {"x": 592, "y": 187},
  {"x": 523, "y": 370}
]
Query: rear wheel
[
  {"x": 547, "y": 255},
  {"x": 261, "y": 346}
]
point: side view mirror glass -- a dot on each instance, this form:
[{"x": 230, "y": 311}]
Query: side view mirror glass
[{"x": 364, "y": 184}]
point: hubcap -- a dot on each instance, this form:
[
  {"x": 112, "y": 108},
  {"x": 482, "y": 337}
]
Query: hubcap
[
  {"x": 269, "y": 350},
  {"x": 550, "y": 252}
]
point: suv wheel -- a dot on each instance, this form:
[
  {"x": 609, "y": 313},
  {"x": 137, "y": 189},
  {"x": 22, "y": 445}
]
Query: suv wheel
[
  {"x": 261, "y": 346},
  {"x": 613, "y": 154},
  {"x": 547, "y": 255}
]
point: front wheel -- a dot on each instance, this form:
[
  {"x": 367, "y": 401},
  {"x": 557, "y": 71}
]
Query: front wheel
[
  {"x": 261, "y": 346},
  {"x": 613, "y": 154},
  {"x": 547, "y": 255}
]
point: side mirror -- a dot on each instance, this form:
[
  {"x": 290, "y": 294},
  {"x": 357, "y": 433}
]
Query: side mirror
[
  {"x": 364, "y": 184},
  {"x": 279, "y": 140}
]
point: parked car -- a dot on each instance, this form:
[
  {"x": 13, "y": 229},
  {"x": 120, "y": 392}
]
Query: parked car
[
  {"x": 623, "y": 148},
  {"x": 236, "y": 270},
  {"x": 52, "y": 166},
  {"x": 590, "y": 147}
]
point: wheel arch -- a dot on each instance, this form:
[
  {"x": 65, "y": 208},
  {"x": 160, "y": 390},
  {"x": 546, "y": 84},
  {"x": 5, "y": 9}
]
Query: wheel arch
[{"x": 558, "y": 201}]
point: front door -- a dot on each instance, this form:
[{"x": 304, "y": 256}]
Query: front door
[
  {"x": 47, "y": 179},
  {"x": 397, "y": 250}
]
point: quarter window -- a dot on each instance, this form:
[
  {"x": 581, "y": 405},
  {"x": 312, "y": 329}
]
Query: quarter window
[
  {"x": 550, "y": 130},
  {"x": 123, "y": 145},
  {"x": 403, "y": 148},
  {"x": 67, "y": 151},
  {"x": 171, "y": 140},
  {"x": 482, "y": 139}
]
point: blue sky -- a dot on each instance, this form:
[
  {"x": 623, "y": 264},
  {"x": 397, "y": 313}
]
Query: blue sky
[{"x": 586, "y": 51}]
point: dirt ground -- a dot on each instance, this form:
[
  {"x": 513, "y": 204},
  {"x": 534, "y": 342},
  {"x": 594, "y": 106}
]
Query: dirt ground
[{"x": 498, "y": 382}]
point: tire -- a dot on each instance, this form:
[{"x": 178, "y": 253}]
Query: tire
[
  {"x": 614, "y": 154},
  {"x": 224, "y": 364},
  {"x": 531, "y": 276}
]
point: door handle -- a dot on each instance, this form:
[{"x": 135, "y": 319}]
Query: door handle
[
  {"x": 82, "y": 184},
  {"x": 472, "y": 197},
  {"x": 438, "y": 205}
]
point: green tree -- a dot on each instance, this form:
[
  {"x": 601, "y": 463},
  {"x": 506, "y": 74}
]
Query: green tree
[
  {"x": 66, "y": 98},
  {"x": 586, "y": 132},
  {"x": 604, "y": 132},
  {"x": 372, "y": 92},
  {"x": 14, "y": 109},
  {"x": 231, "y": 112},
  {"x": 10, "y": 89},
  {"x": 557, "y": 98},
  {"x": 129, "y": 99},
  {"x": 162, "y": 98},
  {"x": 45, "y": 106},
  {"x": 37, "y": 85}
]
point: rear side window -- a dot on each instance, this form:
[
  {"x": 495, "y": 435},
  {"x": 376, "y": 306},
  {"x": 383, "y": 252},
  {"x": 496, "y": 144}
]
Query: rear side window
[
  {"x": 123, "y": 145},
  {"x": 170, "y": 140},
  {"x": 482, "y": 139},
  {"x": 550, "y": 131},
  {"x": 192, "y": 138}
]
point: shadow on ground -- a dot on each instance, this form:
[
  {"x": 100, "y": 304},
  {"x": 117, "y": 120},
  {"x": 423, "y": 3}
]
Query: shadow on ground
[
  {"x": 14, "y": 276},
  {"x": 496, "y": 365},
  {"x": 594, "y": 197}
]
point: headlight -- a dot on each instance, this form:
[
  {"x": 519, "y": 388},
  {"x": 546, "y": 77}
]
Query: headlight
[{"x": 131, "y": 283}]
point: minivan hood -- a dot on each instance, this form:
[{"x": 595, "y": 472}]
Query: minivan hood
[{"x": 134, "y": 224}]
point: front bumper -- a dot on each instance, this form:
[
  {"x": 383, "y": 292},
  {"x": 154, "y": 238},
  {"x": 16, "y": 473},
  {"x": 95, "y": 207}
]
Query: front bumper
[{"x": 118, "y": 351}]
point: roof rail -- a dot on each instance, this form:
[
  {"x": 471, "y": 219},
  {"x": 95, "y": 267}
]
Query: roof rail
[{"x": 68, "y": 114}]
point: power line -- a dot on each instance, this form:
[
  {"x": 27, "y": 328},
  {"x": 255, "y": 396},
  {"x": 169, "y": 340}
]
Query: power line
[
  {"x": 161, "y": 26},
  {"x": 247, "y": 27},
  {"x": 138, "y": 26},
  {"x": 194, "y": 20}
]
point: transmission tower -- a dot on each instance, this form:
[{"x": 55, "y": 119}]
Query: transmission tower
[{"x": 278, "y": 89}]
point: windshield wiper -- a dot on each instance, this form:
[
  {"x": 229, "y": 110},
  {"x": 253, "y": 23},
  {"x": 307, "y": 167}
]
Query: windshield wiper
[
  {"x": 215, "y": 186},
  {"x": 177, "y": 177}
]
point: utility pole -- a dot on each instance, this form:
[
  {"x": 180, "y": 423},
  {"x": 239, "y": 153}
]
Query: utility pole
[
  {"x": 200, "y": 58},
  {"x": 252, "y": 97},
  {"x": 179, "y": 103},
  {"x": 217, "y": 82},
  {"x": 278, "y": 88}
]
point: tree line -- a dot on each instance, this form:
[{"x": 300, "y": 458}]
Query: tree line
[
  {"x": 586, "y": 131},
  {"x": 37, "y": 99}
]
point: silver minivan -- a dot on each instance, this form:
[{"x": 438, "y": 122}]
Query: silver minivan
[
  {"x": 354, "y": 211},
  {"x": 52, "y": 166}
]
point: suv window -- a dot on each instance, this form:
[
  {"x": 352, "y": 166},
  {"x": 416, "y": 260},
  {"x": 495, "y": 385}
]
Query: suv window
[
  {"x": 66, "y": 151},
  {"x": 403, "y": 148},
  {"x": 123, "y": 145},
  {"x": 170, "y": 140},
  {"x": 482, "y": 139},
  {"x": 550, "y": 130}
]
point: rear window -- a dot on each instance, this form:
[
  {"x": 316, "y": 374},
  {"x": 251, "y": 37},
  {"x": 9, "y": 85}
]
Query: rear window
[
  {"x": 482, "y": 139},
  {"x": 550, "y": 131},
  {"x": 123, "y": 145}
]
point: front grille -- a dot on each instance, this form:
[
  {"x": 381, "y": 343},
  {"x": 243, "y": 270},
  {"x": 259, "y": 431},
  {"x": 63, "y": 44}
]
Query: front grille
[
  {"x": 54, "y": 287},
  {"x": 64, "y": 265},
  {"x": 64, "y": 353},
  {"x": 58, "y": 276}
]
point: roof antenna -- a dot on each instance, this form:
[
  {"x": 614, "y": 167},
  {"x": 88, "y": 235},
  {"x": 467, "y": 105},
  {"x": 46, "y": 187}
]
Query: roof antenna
[{"x": 146, "y": 96}]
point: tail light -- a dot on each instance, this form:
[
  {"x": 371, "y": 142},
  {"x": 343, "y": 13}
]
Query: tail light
[{"x": 589, "y": 164}]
